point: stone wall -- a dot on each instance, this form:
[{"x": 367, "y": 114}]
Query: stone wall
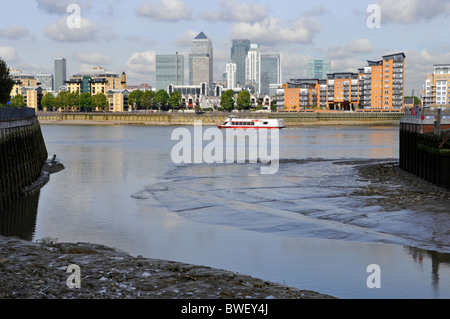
[{"x": 22, "y": 154}]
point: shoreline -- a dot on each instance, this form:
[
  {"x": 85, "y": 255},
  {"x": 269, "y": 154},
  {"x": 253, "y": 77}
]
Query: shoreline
[
  {"x": 143, "y": 123},
  {"x": 108, "y": 273}
]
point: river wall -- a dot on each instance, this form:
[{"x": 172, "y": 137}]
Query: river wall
[
  {"x": 423, "y": 152},
  {"x": 22, "y": 155},
  {"x": 214, "y": 118}
]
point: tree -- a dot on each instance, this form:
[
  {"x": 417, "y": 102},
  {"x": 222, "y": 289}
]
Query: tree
[
  {"x": 147, "y": 99},
  {"x": 49, "y": 101},
  {"x": 74, "y": 100},
  {"x": 243, "y": 100},
  {"x": 18, "y": 101},
  {"x": 6, "y": 83},
  {"x": 161, "y": 99},
  {"x": 86, "y": 101},
  {"x": 135, "y": 98},
  {"x": 175, "y": 99},
  {"x": 100, "y": 101},
  {"x": 227, "y": 100},
  {"x": 62, "y": 100}
]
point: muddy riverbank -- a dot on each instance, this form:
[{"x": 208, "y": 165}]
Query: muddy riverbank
[{"x": 31, "y": 270}]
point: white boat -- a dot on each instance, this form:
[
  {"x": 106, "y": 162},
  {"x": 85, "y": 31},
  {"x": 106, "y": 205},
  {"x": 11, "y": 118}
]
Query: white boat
[{"x": 234, "y": 123}]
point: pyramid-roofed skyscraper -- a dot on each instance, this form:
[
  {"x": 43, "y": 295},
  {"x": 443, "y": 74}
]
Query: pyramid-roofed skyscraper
[{"x": 201, "y": 61}]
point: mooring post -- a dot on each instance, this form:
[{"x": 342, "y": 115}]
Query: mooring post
[{"x": 437, "y": 122}]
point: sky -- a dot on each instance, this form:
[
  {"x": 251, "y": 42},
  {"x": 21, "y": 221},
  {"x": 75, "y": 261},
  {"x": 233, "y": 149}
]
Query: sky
[{"x": 125, "y": 36}]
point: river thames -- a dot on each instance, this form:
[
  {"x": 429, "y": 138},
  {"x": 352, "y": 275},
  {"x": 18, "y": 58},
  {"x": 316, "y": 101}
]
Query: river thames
[{"x": 298, "y": 227}]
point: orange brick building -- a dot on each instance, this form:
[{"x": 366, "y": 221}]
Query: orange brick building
[{"x": 380, "y": 85}]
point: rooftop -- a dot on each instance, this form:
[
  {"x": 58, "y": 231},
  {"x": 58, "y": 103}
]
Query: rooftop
[{"x": 201, "y": 36}]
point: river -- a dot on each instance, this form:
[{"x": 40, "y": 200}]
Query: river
[{"x": 121, "y": 188}]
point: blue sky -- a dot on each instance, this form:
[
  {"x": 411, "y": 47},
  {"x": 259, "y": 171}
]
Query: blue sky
[{"x": 124, "y": 36}]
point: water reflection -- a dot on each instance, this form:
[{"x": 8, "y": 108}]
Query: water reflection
[
  {"x": 437, "y": 261},
  {"x": 19, "y": 219}
]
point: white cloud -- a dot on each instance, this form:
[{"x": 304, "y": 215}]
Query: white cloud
[
  {"x": 360, "y": 46},
  {"x": 9, "y": 54},
  {"x": 420, "y": 63},
  {"x": 166, "y": 10},
  {"x": 272, "y": 32},
  {"x": 412, "y": 11},
  {"x": 142, "y": 62},
  {"x": 340, "y": 52},
  {"x": 185, "y": 39},
  {"x": 233, "y": 11},
  {"x": 14, "y": 33},
  {"x": 95, "y": 59},
  {"x": 59, "y": 6},
  {"x": 59, "y": 31}
]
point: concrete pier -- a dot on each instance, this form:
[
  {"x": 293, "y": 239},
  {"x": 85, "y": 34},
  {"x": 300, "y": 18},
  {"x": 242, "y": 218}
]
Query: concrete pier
[
  {"x": 425, "y": 146},
  {"x": 22, "y": 155}
]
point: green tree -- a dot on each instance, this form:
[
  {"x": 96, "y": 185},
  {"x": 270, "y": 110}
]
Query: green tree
[
  {"x": 147, "y": 99},
  {"x": 86, "y": 102},
  {"x": 227, "y": 100},
  {"x": 74, "y": 100},
  {"x": 243, "y": 100},
  {"x": 62, "y": 100},
  {"x": 100, "y": 101},
  {"x": 161, "y": 99},
  {"x": 135, "y": 99},
  {"x": 49, "y": 102},
  {"x": 6, "y": 83},
  {"x": 18, "y": 101},
  {"x": 175, "y": 99}
]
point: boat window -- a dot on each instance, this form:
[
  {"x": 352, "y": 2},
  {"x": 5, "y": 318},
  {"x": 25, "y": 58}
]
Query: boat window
[{"x": 265, "y": 123}]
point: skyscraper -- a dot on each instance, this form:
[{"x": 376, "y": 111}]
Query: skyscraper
[
  {"x": 231, "y": 75},
  {"x": 169, "y": 70},
  {"x": 253, "y": 69},
  {"x": 201, "y": 61},
  {"x": 60, "y": 73},
  {"x": 239, "y": 52},
  {"x": 318, "y": 69},
  {"x": 270, "y": 71}
]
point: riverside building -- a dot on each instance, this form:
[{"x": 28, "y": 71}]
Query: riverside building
[
  {"x": 436, "y": 90},
  {"x": 379, "y": 85},
  {"x": 95, "y": 81}
]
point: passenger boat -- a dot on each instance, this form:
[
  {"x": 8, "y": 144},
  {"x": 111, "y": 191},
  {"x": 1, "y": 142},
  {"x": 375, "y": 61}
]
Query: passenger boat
[{"x": 235, "y": 123}]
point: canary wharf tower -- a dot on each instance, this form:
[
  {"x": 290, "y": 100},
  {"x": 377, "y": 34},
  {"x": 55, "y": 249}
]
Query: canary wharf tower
[{"x": 201, "y": 61}]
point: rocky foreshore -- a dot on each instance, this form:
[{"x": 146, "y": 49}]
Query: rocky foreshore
[{"x": 32, "y": 270}]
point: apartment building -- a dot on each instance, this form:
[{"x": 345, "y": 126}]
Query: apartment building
[
  {"x": 384, "y": 83},
  {"x": 379, "y": 85},
  {"x": 118, "y": 100},
  {"x": 343, "y": 91},
  {"x": 436, "y": 90},
  {"x": 20, "y": 80},
  {"x": 97, "y": 80}
]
